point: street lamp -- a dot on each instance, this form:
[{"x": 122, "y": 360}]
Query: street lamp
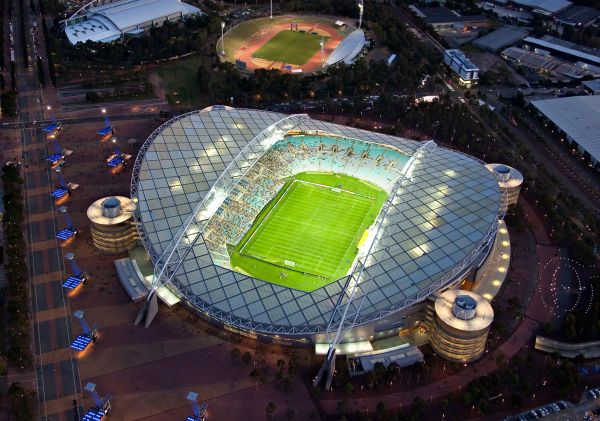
[
  {"x": 360, "y": 13},
  {"x": 222, "y": 39},
  {"x": 271, "y": 16},
  {"x": 103, "y": 110}
]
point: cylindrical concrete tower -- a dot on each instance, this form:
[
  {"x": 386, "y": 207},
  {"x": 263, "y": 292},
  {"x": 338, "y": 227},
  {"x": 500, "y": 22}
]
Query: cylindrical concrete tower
[
  {"x": 509, "y": 179},
  {"x": 112, "y": 229},
  {"x": 461, "y": 325}
]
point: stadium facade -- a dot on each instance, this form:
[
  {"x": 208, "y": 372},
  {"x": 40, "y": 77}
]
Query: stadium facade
[{"x": 435, "y": 228}]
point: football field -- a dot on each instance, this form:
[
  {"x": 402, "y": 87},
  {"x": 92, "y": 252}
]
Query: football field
[
  {"x": 308, "y": 236},
  {"x": 290, "y": 47}
]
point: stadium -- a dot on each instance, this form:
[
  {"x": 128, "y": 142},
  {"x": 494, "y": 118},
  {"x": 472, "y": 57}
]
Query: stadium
[
  {"x": 290, "y": 43},
  {"x": 287, "y": 229}
]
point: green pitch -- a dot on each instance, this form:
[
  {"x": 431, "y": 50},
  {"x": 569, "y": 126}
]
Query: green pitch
[
  {"x": 308, "y": 235},
  {"x": 290, "y": 47}
]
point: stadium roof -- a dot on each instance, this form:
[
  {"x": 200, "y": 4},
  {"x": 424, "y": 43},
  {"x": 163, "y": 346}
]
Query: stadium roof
[
  {"x": 578, "y": 117},
  {"x": 348, "y": 49},
  {"x": 434, "y": 225},
  {"x": 500, "y": 38},
  {"x": 110, "y": 21}
]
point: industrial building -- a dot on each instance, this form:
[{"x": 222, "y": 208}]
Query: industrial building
[
  {"x": 578, "y": 117},
  {"x": 592, "y": 86},
  {"x": 442, "y": 17},
  {"x": 465, "y": 70},
  {"x": 577, "y": 16},
  {"x": 543, "y": 7},
  {"x": 500, "y": 38},
  {"x": 542, "y": 63},
  {"x": 113, "y": 21},
  {"x": 563, "y": 49}
]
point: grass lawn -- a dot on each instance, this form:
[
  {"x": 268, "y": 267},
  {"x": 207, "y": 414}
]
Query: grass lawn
[
  {"x": 289, "y": 47},
  {"x": 180, "y": 80},
  {"x": 308, "y": 235},
  {"x": 235, "y": 37}
]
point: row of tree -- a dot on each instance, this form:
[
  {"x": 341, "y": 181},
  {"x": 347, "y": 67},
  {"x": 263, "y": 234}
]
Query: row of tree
[
  {"x": 8, "y": 102},
  {"x": 18, "y": 332},
  {"x": 21, "y": 402}
]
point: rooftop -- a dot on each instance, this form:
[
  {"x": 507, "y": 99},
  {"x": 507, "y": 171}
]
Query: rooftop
[
  {"x": 578, "y": 117},
  {"x": 550, "y": 6},
  {"x": 500, "y": 38},
  {"x": 439, "y": 15},
  {"x": 565, "y": 47},
  {"x": 593, "y": 85},
  {"x": 107, "y": 22},
  {"x": 462, "y": 59},
  {"x": 577, "y": 16},
  {"x": 476, "y": 316}
]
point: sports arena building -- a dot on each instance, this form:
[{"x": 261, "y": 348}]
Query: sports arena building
[
  {"x": 107, "y": 21},
  {"x": 208, "y": 186}
]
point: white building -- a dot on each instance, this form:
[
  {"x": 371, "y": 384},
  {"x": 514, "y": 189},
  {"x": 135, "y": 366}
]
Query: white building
[
  {"x": 112, "y": 21},
  {"x": 467, "y": 72}
]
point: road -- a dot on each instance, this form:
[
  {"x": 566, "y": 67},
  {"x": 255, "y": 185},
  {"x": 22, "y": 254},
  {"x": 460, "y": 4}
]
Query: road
[
  {"x": 575, "y": 412},
  {"x": 57, "y": 372}
]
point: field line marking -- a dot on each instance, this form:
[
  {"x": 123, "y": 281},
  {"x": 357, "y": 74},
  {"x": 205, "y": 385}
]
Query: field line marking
[{"x": 267, "y": 217}]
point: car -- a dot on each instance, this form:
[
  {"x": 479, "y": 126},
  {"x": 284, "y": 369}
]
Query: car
[{"x": 561, "y": 404}]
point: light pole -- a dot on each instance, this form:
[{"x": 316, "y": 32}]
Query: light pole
[
  {"x": 322, "y": 44},
  {"x": 360, "y": 13},
  {"x": 271, "y": 16},
  {"x": 222, "y": 38}
]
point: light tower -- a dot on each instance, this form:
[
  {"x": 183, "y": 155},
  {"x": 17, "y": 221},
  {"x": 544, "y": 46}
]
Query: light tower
[
  {"x": 198, "y": 409},
  {"x": 82, "y": 341},
  {"x": 103, "y": 407},
  {"x": 69, "y": 231},
  {"x": 361, "y": 6},
  {"x": 78, "y": 277},
  {"x": 63, "y": 188},
  {"x": 222, "y": 38},
  {"x": 322, "y": 44}
]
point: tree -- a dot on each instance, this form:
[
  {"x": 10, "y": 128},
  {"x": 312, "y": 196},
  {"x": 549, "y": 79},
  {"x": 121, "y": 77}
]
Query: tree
[
  {"x": 247, "y": 357},
  {"x": 381, "y": 411},
  {"x": 235, "y": 353},
  {"x": 270, "y": 409},
  {"x": 348, "y": 388},
  {"x": 290, "y": 414},
  {"x": 287, "y": 383}
]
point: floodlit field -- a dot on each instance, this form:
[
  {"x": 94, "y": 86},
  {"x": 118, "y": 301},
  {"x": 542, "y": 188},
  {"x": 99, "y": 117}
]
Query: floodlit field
[
  {"x": 308, "y": 235},
  {"x": 289, "y": 47}
]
